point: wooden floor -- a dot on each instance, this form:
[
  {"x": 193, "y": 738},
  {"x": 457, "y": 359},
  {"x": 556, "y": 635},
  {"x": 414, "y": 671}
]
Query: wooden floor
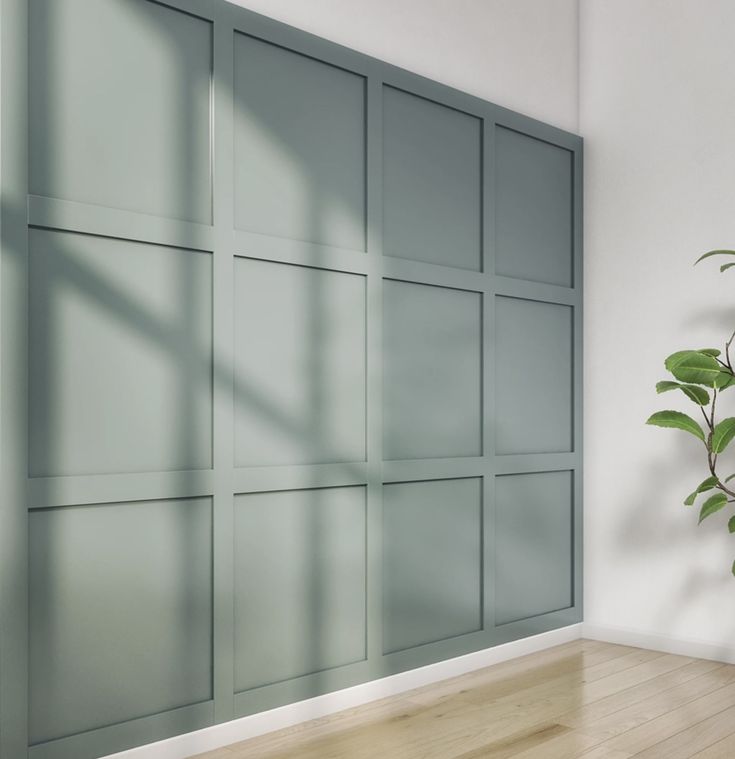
[{"x": 583, "y": 699}]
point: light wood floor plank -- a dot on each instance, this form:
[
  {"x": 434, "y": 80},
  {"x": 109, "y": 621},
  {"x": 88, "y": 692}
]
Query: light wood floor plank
[
  {"x": 697, "y": 737},
  {"x": 724, "y": 749},
  {"x": 528, "y": 670},
  {"x": 655, "y": 706},
  {"x": 582, "y": 700},
  {"x": 721, "y": 674},
  {"x": 658, "y": 730}
]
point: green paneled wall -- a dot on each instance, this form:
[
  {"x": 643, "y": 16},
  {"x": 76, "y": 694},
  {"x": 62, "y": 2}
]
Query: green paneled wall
[{"x": 290, "y": 351}]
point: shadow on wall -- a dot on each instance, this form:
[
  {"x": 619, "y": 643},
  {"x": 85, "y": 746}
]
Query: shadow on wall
[
  {"x": 648, "y": 527},
  {"x": 171, "y": 337}
]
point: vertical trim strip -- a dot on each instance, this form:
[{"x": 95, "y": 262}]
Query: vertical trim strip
[
  {"x": 13, "y": 379},
  {"x": 223, "y": 342},
  {"x": 374, "y": 317},
  {"x": 488, "y": 368}
]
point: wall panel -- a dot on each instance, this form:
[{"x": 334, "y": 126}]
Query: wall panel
[
  {"x": 120, "y": 106},
  {"x": 534, "y": 377},
  {"x": 299, "y": 365},
  {"x": 303, "y": 371},
  {"x": 432, "y": 372},
  {"x": 300, "y": 572},
  {"x": 533, "y": 213},
  {"x": 533, "y": 544},
  {"x": 432, "y": 561},
  {"x": 432, "y": 183},
  {"x": 120, "y": 608},
  {"x": 120, "y": 341},
  {"x": 299, "y": 146}
]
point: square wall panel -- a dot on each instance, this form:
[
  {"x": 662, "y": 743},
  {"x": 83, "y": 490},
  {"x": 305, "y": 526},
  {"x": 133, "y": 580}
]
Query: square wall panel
[
  {"x": 534, "y": 209},
  {"x": 300, "y": 579},
  {"x": 299, "y": 146},
  {"x": 533, "y": 377},
  {"x": 432, "y": 182},
  {"x": 120, "y": 613},
  {"x": 533, "y": 545},
  {"x": 432, "y": 371},
  {"x": 299, "y": 365},
  {"x": 432, "y": 561},
  {"x": 120, "y": 106},
  {"x": 120, "y": 356}
]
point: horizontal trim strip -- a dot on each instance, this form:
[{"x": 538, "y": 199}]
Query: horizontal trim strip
[
  {"x": 50, "y": 492},
  {"x": 84, "y": 218},
  {"x": 527, "y": 463},
  {"x": 272, "y": 478},
  {"x": 538, "y": 291},
  {"x": 432, "y": 274},
  {"x": 286, "y": 251},
  {"x": 434, "y": 469},
  {"x": 95, "y": 743}
]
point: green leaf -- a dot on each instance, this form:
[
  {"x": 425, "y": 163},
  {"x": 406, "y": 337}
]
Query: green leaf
[
  {"x": 712, "y": 505},
  {"x": 725, "y": 267},
  {"x": 693, "y": 367},
  {"x": 676, "y": 420},
  {"x": 703, "y": 487},
  {"x": 708, "y": 484},
  {"x": 724, "y": 380},
  {"x": 715, "y": 253},
  {"x": 714, "y": 352},
  {"x": 695, "y": 393},
  {"x": 733, "y": 567},
  {"x": 723, "y": 434},
  {"x": 731, "y": 524}
]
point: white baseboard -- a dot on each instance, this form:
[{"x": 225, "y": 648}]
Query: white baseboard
[
  {"x": 698, "y": 649},
  {"x": 182, "y": 746}
]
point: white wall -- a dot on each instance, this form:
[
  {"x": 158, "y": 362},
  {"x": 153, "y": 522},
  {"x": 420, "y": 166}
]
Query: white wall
[
  {"x": 658, "y": 117},
  {"x": 521, "y": 54}
]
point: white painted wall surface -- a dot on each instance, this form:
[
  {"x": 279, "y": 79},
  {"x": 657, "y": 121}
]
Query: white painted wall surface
[
  {"x": 658, "y": 117},
  {"x": 521, "y": 54}
]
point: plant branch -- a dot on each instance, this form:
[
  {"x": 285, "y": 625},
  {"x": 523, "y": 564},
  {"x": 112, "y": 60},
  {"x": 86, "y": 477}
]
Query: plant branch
[{"x": 727, "y": 351}]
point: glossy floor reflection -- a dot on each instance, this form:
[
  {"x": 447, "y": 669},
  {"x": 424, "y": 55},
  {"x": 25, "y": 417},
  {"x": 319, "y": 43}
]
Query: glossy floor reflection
[{"x": 583, "y": 699}]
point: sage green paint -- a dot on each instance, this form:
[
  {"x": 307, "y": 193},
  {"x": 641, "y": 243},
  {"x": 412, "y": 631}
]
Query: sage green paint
[
  {"x": 120, "y": 92},
  {"x": 432, "y": 174},
  {"x": 432, "y": 372},
  {"x": 120, "y": 605},
  {"x": 299, "y": 583},
  {"x": 120, "y": 342},
  {"x": 534, "y": 387},
  {"x": 221, "y": 204},
  {"x": 533, "y": 544},
  {"x": 299, "y": 365},
  {"x": 533, "y": 212},
  {"x": 432, "y": 561},
  {"x": 299, "y": 147}
]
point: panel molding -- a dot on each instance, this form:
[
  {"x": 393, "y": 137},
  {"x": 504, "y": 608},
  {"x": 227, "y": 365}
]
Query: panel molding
[
  {"x": 301, "y": 477},
  {"x": 254, "y": 725},
  {"x": 52, "y": 492},
  {"x": 223, "y": 481},
  {"x": 262, "y": 247},
  {"x": 125, "y": 735},
  {"x": 70, "y": 216}
]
